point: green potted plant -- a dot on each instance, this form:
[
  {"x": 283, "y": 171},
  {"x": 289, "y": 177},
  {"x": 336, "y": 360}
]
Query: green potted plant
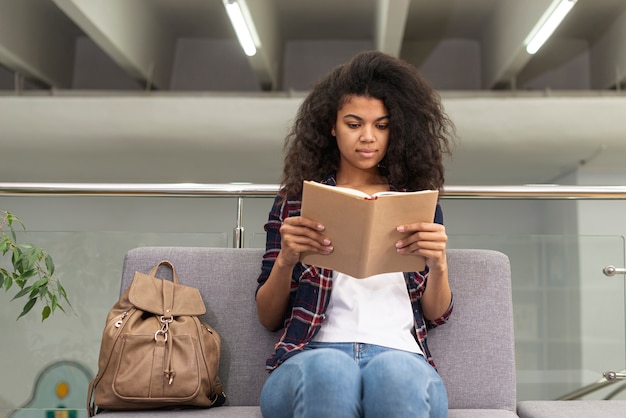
[{"x": 32, "y": 271}]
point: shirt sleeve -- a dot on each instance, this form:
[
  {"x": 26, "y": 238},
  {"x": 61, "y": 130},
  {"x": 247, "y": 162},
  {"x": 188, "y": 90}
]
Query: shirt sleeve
[
  {"x": 438, "y": 215},
  {"x": 273, "y": 239},
  {"x": 443, "y": 318}
]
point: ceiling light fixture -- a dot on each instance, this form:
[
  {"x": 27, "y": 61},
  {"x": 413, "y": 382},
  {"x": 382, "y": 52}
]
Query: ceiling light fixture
[
  {"x": 550, "y": 20},
  {"x": 241, "y": 20}
]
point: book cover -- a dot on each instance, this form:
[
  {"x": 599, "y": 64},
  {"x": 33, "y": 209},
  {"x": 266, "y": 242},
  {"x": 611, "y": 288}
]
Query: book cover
[{"x": 362, "y": 228}]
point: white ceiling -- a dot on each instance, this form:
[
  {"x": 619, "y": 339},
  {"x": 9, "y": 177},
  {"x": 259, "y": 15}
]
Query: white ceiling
[{"x": 73, "y": 105}]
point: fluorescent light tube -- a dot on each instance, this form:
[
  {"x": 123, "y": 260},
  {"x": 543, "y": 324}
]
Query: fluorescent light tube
[
  {"x": 548, "y": 23},
  {"x": 244, "y": 27}
]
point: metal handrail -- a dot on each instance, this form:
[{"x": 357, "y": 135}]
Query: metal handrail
[
  {"x": 139, "y": 189},
  {"x": 266, "y": 190}
]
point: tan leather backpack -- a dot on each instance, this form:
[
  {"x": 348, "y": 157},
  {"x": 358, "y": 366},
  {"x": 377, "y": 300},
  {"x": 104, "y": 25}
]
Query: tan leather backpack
[{"x": 155, "y": 351}]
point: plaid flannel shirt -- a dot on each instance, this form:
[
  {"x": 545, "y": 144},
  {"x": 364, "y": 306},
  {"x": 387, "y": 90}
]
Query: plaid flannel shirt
[{"x": 311, "y": 288}]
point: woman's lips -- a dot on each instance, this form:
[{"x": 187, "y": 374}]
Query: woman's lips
[{"x": 367, "y": 153}]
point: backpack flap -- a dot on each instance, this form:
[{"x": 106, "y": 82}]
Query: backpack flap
[{"x": 148, "y": 293}]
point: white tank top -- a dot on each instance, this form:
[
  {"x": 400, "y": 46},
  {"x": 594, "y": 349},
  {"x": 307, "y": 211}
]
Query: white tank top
[{"x": 375, "y": 310}]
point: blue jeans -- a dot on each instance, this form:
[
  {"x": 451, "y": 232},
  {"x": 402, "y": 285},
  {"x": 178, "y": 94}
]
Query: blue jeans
[{"x": 337, "y": 380}]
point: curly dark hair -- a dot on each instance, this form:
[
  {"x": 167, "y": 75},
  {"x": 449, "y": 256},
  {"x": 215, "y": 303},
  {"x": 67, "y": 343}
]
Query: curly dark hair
[{"x": 419, "y": 130}]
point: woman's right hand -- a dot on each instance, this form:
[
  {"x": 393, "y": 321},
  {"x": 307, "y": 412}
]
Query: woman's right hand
[{"x": 300, "y": 234}]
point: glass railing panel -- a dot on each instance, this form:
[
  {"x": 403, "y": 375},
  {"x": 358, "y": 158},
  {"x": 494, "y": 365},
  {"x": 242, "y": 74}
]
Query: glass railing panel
[
  {"x": 89, "y": 265},
  {"x": 257, "y": 240},
  {"x": 568, "y": 316}
]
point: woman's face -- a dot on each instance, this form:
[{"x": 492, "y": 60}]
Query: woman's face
[{"x": 362, "y": 133}]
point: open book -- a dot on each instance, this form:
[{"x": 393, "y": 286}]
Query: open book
[{"x": 362, "y": 228}]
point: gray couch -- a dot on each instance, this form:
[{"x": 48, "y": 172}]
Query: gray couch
[{"x": 474, "y": 351}]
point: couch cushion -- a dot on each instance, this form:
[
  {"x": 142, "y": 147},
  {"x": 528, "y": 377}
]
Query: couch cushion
[
  {"x": 575, "y": 409},
  {"x": 481, "y": 413}
]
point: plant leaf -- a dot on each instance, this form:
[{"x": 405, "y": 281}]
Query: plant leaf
[
  {"x": 29, "y": 305},
  {"x": 12, "y": 218},
  {"x": 38, "y": 292},
  {"x": 22, "y": 292},
  {"x": 5, "y": 244},
  {"x": 45, "y": 313},
  {"x": 49, "y": 264},
  {"x": 8, "y": 283},
  {"x": 4, "y": 275},
  {"x": 16, "y": 256},
  {"x": 62, "y": 292},
  {"x": 24, "y": 276},
  {"x": 40, "y": 282}
]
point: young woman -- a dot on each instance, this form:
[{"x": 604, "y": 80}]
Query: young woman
[{"x": 357, "y": 347}]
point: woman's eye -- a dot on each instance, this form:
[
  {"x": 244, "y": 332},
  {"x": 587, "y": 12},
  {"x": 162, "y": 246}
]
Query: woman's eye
[
  {"x": 353, "y": 125},
  {"x": 382, "y": 126}
]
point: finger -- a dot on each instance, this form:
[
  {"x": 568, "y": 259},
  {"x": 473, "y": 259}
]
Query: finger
[
  {"x": 421, "y": 226},
  {"x": 423, "y": 238},
  {"x": 299, "y": 239},
  {"x": 289, "y": 232},
  {"x": 304, "y": 222},
  {"x": 417, "y": 244},
  {"x": 422, "y": 248},
  {"x": 307, "y": 242}
]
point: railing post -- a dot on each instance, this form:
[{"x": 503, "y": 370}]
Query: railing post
[{"x": 238, "y": 231}]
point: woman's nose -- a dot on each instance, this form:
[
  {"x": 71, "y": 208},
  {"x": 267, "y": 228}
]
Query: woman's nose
[{"x": 367, "y": 135}]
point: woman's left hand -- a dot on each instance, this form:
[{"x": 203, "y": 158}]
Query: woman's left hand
[
  {"x": 426, "y": 239},
  {"x": 429, "y": 240}
]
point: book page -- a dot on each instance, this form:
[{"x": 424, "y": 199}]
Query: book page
[
  {"x": 359, "y": 193},
  {"x": 393, "y": 193},
  {"x": 346, "y": 190}
]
